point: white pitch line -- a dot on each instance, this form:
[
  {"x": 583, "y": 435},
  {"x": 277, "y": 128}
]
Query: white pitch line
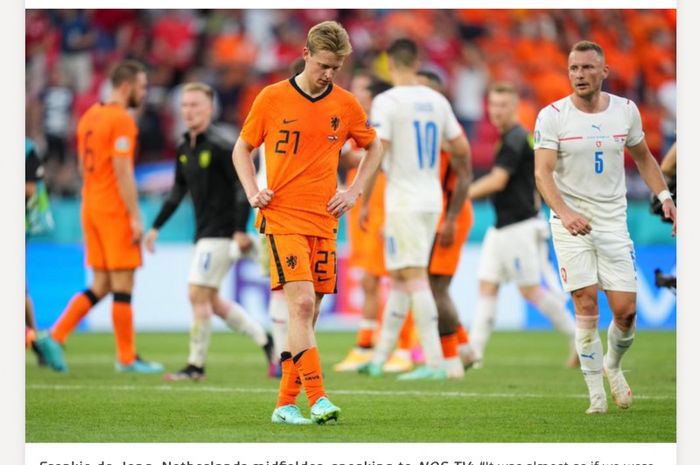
[{"x": 408, "y": 393}]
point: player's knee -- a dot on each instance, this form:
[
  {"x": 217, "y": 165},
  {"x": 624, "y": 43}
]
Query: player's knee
[
  {"x": 302, "y": 307},
  {"x": 585, "y": 302},
  {"x": 625, "y": 315}
]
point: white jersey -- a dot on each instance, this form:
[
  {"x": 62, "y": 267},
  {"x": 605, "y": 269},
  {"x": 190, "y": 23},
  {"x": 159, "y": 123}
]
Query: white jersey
[
  {"x": 415, "y": 120},
  {"x": 590, "y": 171}
]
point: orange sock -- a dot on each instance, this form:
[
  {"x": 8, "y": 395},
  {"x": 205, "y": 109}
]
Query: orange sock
[
  {"x": 123, "y": 320},
  {"x": 308, "y": 362},
  {"x": 462, "y": 335},
  {"x": 449, "y": 345},
  {"x": 365, "y": 337},
  {"x": 77, "y": 308},
  {"x": 290, "y": 383},
  {"x": 406, "y": 334}
]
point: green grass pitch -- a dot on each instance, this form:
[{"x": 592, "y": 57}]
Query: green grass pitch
[{"x": 522, "y": 394}]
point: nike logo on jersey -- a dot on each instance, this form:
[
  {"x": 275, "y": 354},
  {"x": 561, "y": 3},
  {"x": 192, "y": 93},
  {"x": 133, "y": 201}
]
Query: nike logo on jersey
[{"x": 287, "y": 121}]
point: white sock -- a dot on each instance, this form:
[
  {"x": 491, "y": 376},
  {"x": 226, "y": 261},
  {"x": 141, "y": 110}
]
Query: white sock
[
  {"x": 200, "y": 336},
  {"x": 239, "y": 320},
  {"x": 590, "y": 353},
  {"x": 484, "y": 319},
  {"x": 395, "y": 311},
  {"x": 279, "y": 316},
  {"x": 426, "y": 318},
  {"x": 554, "y": 309},
  {"x": 618, "y": 343}
]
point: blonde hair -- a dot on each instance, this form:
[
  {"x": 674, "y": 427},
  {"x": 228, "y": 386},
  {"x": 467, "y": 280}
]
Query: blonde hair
[
  {"x": 586, "y": 45},
  {"x": 329, "y": 36},
  {"x": 503, "y": 87},
  {"x": 199, "y": 87}
]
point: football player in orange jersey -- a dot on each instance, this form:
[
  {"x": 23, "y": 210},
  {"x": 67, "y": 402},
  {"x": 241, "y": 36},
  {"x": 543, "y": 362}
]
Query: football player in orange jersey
[
  {"x": 110, "y": 218},
  {"x": 303, "y": 123}
]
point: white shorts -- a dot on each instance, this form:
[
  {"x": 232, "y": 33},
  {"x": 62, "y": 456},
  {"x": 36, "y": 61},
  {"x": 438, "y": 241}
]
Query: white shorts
[
  {"x": 408, "y": 238},
  {"x": 605, "y": 258},
  {"x": 211, "y": 262},
  {"x": 512, "y": 253}
]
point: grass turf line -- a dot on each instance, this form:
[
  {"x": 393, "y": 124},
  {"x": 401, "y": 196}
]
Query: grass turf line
[{"x": 523, "y": 394}]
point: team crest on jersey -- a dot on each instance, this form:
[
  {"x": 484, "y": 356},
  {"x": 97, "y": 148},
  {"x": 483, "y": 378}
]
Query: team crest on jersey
[
  {"x": 122, "y": 144},
  {"x": 335, "y": 123},
  {"x": 183, "y": 159},
  {"x": 291, "y": 261},
  {"x": 204, "y": 158}
]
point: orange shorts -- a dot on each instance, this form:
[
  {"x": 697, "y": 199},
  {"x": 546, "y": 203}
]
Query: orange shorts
[
  {"x": 108, "y": 241},
  {"x": 295, "y": 257},
  {"x": 367, "y": 248},
  {"x": 444, "y": 260}
]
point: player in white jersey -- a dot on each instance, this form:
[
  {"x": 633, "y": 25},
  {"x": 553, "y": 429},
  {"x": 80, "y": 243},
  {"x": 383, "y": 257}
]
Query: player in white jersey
[
  {"x": 412, "y": 121},
  {"x": 579, "y": 169}
]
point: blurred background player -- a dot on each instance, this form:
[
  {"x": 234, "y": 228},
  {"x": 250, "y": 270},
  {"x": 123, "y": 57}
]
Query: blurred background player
[
  {"x": 366, "y": 244},
  {"x": 579, "y": 167},
  {"x": 203, "y": 168},
  {"x": 412, "y": 121},
  {"x": 111, "y": 219},
  {"x": 37, "y": 220},
  {"x": 451, "y": 235},
  {"x": 512, "y": 247},
  {"x": 303, "y": 130}
]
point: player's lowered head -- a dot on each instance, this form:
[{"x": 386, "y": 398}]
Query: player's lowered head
[
  {"x": 503, "y": 105},
  {"x": 587, "y": 69},
  {"x": 129, "y": 83},
  {"x": 327, "y": 46},
  {"x": 197, "y": 107}
]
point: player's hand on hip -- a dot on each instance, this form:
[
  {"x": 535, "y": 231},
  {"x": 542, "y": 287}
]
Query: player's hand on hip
[
  {"x": 576, "y": 224},
  {"x": 262, "y": 199},
  {"x": 669, "y": 209},
  {"x": 136, "y": 229},
  {"x": 150, "y": 240},
  {"x": 341, "y": 202},
  {"x": 446, "y": 234}
]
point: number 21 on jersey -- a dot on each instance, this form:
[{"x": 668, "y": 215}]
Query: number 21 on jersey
[{"x": 426, "y": 143}]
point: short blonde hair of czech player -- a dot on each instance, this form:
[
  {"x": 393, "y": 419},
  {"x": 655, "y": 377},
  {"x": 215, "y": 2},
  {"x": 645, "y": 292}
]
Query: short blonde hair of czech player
[
  {"x": 586, "y": 45},
  {"x": 503, "y": 87},
  {"x": 199, "y": 87},
  {"x": 329, "y": 36}
]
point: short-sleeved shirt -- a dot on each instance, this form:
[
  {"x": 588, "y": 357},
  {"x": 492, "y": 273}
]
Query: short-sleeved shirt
[
  {"x": 415, "y": 120},
  {"x": 303, "y": 136},
  {"x": 105, "y": 131},
  {"x": 589, "y": 171},
  {"x": 516, "y": 202}
]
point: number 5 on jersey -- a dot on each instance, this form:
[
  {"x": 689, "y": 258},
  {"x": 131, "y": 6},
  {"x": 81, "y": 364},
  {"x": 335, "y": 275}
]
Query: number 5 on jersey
[{"x": 599, "y": 162}]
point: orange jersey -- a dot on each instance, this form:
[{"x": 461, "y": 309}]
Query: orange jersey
[
  {"x": 104, "y": 131},
  {"x": 303, "y": 137},
  {"x": 367, "y": 247}
]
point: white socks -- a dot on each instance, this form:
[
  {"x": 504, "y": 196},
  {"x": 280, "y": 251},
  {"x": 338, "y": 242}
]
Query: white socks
[
  {"x": 618, "y": 343},
  {"x": 554, "y": 309},
  {"x": 239, "y": 320},
  {"x": 590, "y": 354},
  {"x": 425, "y": 316},
  {"x": 200, "y": 336},
  {"x": 395, "y": 311},
  {"x": 484, "y": 320}
]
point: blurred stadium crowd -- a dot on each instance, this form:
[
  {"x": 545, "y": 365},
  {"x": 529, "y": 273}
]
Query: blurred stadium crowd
[{"x": 238, "y": 52}]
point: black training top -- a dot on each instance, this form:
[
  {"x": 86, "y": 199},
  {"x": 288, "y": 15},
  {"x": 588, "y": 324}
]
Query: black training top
[
  {"x": 206, "y": 171},
  {"x": 516, "y": 155}
]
